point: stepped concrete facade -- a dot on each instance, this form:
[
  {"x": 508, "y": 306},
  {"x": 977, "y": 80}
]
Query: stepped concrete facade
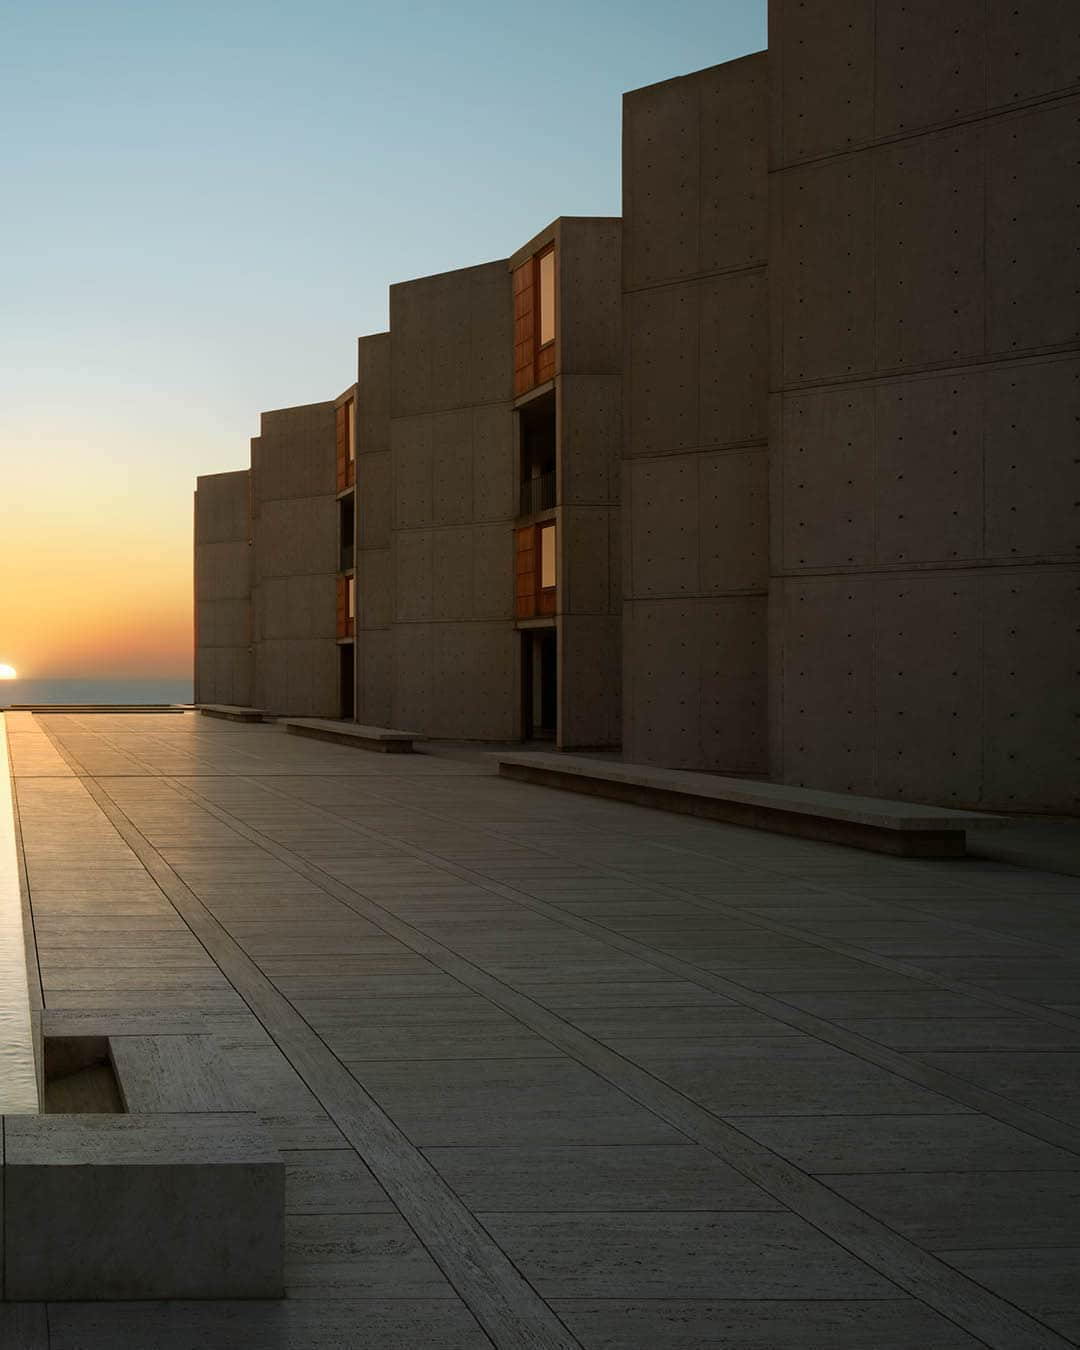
[{"x": 773, "y": 476}]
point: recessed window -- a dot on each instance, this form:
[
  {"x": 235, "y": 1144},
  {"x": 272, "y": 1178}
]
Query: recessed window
[
  {"x": 546, "y": 270},
  {"x": 352, "y": 429},
  {"x": 547, "y": 557}
]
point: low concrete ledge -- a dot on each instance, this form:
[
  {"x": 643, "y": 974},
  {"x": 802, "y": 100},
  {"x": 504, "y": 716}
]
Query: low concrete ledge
[
  {"x": 834, "y": 817},
  {"x": 82, "y": 709},
  {"x": 383, "y": 739},
  {"x": 142, "y": 1207},
  {"x": 230, "y": 711}
]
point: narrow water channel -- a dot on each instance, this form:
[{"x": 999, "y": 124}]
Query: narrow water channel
[{"x": 18, "y": 1081}]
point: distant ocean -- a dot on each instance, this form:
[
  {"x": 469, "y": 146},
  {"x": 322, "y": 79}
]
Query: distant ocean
[{"x": 94, "y": 691}]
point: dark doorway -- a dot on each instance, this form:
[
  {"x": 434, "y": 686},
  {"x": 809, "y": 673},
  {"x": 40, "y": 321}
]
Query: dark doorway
[
  {"x": 539, "y": 684},
  {"x": 347, "y": 682}
]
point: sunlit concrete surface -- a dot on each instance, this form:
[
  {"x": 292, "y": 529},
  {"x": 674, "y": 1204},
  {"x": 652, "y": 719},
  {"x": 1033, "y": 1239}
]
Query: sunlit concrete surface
[
  {"x": 18, "y": 1080},
  {"x": 554, "y": 1071}
]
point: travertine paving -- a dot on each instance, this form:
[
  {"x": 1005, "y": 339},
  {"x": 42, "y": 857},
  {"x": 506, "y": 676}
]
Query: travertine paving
[{"x": 552, "y": 1071}]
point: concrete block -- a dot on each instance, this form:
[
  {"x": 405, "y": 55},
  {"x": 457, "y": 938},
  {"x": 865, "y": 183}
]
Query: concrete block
[
  {"x": 825, "y": 270},
  {"x": 223, "y": 570},
  {"x": 734, "y": 679},
  {"x": 928, "y": 677},
  {"x": 411, "y": 438},
  {"x": 474, "y": 682},
  {"x": 734, "y": 358},
  {"x": 733, "y": 496},
  {"x": 494, "y": 473},
  {"x": 142, "y": 1207},
  {"x": 1033, "y": 49},
  {"x": 410, "y": 368},
  {"x": 929, "y": 469},
  {"x": 661, "y": 204},
  {"x": 296, "y": 536},
  {"x": 414, "y": 589},
  {"x": 828, "y": 696},
  {"x": 590, "y": 438},
  {"x": 930, "y": 64},
  {"x": 1032, "y": 412},
  {"x": 827, "y": 478},
  {"x": 662, "y": 368},
  {"x": 452, "y": 467},
  {"x": 297, "y": 453},
  {"x": 1032, "y": 697},
  {"x": 1033, "y": 266},
  {"x": 733, "y": 149},
  {"x": 930, "y": 241},
  {"x": 312, "y": 678},
  {"x": 826, "y": 87},
  {"x": 664, "y": 526}
]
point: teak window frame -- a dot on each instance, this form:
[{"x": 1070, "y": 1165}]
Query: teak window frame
[
  {"x": 538, "y": 292},
  {"x": 531, "y": 600}
]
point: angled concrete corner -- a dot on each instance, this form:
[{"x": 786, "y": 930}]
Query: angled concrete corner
[{"x": 142, "y": 1207}]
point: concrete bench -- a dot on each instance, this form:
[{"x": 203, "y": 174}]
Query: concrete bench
[
  {"x": 152, "y": 1182},
  {"x": 383, "y": 739},
  {"x": 835, "y": 817},
  {"x": 232, "y": 712}
]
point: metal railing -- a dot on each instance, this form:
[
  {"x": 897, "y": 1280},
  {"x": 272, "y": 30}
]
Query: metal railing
[{"x": 538, "y": 494}]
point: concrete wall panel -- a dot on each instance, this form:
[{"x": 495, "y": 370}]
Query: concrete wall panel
[
  {"x": 661, "y": 670},
  {"x": 1032, "y": 467},
  {"x": 826, "y": 269},
  {"x": 492, "y": 555},
  {"x": 1032, "y": 695},
  {"x": 493, "y": 472},
  {"x": 591, "y": 438},
  {"x": 828, "y": 478},
  {"x": 295, "y": 607},
  {"x": 734, "y": 677},
  {"x": 733, "y": 492},
  {"x": 1033, "y": 291},
  {"x": 585, "y": 555},
  {"x": 222, "y": 570},
  {"x": 411, "y": 439},
  {"x": 590, "y": 312},
  {"x": 828, "y": 695},
  {"x": 413, "y": 556},
  {"x": 1033, "y": 49},
  {"x": 589, "y": 654},
  {"x": 826, "y": 89},
  {"x": 930, "y": 63},
  {"x": 662, "y": 372},
  {"x": 375, "y": 589},
  {"x": 664, "y": 528},
  {"x": 661, "y": 204},
  {"x": 734, "y": 163},
  {"x": 452, "y": 467},
  {"x": 222, "y": 513},
  {"x": 373, "y": 393},
  {"x": 296, "y": 453},
  {"x": 928, "y": 669},
  {"x": 734, "y": 358},
  {"x": 375, "y": 655},
  {"x": 296, "y": 536},
  {"x": 930, "y": 241},
  {"x": 414, "y": 678},
  {"x": 374, "y": 499},
  {"x": 452, "y": 574},
  {"x": 929, "y": 469},
  {"x": 491, "y": 334}
]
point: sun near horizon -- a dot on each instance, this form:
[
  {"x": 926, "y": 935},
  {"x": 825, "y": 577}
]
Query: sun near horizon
[{"x": 7, "y": 672}]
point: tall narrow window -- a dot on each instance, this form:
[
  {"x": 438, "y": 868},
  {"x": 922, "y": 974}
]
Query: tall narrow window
[
  {"x": 352, "y": 429},
  {"x": 547, "y": 557},
  {"x": 546, "y": 277}
]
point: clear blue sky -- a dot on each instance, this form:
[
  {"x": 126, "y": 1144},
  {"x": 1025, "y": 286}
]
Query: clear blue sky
[{"x": 204, "y": 205}]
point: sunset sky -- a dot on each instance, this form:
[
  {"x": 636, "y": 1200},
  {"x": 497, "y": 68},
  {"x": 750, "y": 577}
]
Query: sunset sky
[{"x": 203, "y": 207}]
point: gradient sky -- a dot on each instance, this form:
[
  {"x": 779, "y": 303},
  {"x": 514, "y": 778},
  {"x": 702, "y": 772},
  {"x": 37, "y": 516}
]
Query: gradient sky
[{"x": 203, "y": 207}]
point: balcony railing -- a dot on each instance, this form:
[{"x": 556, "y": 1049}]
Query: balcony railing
[
  {"x": 346, "y": 558},
  {"x": 538, "y": 494}
]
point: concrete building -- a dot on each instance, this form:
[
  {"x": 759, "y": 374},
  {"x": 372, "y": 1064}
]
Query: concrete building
[
  {"x": 811, "y": 517},
  {"x": 223, "y": 625}
]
